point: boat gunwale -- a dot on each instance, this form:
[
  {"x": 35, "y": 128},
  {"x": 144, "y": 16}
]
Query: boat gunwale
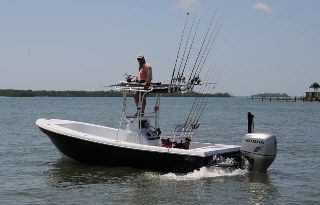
[{"x": 55, "y": 126}]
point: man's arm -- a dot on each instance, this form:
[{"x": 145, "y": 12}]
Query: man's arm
[{"x": 149, "y": 78}]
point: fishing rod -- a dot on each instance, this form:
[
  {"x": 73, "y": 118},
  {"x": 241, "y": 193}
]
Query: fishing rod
[
  {"x": 205, "y": 50},
  {"x": 196, "y": 101},
  {"x": 203, "y": 102},
  {"x": 175, "y": 64},
  {"x": 196, "y": 121},
  {"x": 196, "y": 79},
  {"x": 204, "y": 40},
  {"x": 199, "y": 101},
  {"x": 196, "y": 108},
  {"x": 211, "y": 46},
  {"x": 190, "y": 48},
  {"x": 185, "y": 48},
  {"x": 206, "y": 53},
  {"x": 192, "y": 112}
]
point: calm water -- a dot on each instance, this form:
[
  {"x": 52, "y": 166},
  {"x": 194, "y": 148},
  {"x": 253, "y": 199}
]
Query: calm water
[{"x": 32, "y": 171}]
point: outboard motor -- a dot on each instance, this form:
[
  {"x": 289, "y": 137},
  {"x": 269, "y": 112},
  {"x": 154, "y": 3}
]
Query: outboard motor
[{"x": 260, "y": 149}]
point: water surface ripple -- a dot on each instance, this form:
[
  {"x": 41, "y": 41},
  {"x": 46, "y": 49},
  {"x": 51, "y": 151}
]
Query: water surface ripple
[{"x": 32, "y": 171}]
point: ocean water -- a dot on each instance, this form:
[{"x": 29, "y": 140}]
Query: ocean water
[{"x": 33, "y": 172}]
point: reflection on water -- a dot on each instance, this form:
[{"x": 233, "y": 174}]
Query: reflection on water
[
  {"x": 260, "y": 188},
  {"x": 143, "y": 187},
  {"x": 67, "y": 173}
]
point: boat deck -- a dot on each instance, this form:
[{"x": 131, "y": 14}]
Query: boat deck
[{"x": 213, "y": 149}]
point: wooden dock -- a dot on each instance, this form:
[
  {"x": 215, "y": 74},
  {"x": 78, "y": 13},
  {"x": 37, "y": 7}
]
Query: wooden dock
[{"x": 277, "y": 98}]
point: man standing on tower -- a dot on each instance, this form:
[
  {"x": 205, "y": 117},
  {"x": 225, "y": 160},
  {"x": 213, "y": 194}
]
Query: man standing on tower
[{"x": 144, "y": 77}]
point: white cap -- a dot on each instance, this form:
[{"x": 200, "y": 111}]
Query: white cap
[{"x": 140, "y": 56}]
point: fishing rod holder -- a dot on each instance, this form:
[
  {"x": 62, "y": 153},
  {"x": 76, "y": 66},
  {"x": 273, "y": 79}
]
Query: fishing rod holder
[
  {"x": 195, "y": 81},
  {"x": 180, "y": 79}
]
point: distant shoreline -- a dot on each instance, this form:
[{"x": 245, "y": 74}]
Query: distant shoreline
[
  {"x": 82, "y": 93},
  {"x": 270, "y": 95}
]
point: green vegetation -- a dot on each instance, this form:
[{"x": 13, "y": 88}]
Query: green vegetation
[
  {"x": 111, "y": 93},
  {"x": 315, "y": 86},
  {"x": 270, "y": 95},
  {"x": 53, "y": 93}
]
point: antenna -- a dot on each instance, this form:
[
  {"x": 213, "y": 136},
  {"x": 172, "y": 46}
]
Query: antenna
[{"x": 181, "y": 39}]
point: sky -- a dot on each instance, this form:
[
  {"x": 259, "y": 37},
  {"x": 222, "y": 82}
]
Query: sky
[{"x": 263, "y": 46}]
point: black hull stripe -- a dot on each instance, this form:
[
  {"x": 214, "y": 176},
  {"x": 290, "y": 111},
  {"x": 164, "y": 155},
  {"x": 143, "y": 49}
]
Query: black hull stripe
[{"x": 102, "y": 154}]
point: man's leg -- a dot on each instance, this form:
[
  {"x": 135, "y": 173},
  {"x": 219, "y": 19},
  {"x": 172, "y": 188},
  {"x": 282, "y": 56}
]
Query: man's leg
[
  {"x": 143, "y": 105},
  {"x": 136, "y": 98}
]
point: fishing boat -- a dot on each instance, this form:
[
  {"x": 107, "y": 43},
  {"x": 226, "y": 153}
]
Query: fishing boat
[{"x": 138, "y": 140}]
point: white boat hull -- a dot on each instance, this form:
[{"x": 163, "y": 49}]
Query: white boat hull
[{"x": 105, "y": 146}]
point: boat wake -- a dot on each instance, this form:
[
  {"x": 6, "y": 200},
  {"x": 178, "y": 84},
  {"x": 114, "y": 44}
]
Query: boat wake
[{"x": 202, "y": 173}]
